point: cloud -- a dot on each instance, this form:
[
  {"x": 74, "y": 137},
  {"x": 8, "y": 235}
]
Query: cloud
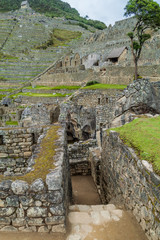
[{"x": 107, "y": 11}]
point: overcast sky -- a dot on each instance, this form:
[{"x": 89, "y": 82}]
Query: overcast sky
[{"x": 107, "y": 11}]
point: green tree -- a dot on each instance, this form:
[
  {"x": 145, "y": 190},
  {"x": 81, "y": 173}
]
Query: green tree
[{"x": 147, "y": 13}]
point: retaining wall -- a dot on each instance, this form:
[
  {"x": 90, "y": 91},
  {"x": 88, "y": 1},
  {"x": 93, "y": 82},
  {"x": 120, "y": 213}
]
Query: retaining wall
[{"x": 132, "y": 181}]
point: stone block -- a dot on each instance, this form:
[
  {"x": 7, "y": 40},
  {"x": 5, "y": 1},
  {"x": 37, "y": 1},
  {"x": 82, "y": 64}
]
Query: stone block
[
  {"x": 27, "y": 154},
  {"x": 19, "y": 222},
  {"x": 37, "y": 212},
  {"x": 43, "y": 229},
  {"x": 6, "y": 212},
  {"x": 35, "y": 221},
  {"x": 54, "y": 179},
  {"x": 55, "y": 197},
  {"x": 57, "y": 209},
  {"x": 19, "y": 187},
  {"x": 37, "y": 185},
  {"x": 3, "y": 155},
  {"x": 59, "y": 228},
  {"x": 5, "y": 221},
  {"x": 55, "y": 220},
  {"x": 12, "y": 201},
  {"x": 9, "y": 229}
]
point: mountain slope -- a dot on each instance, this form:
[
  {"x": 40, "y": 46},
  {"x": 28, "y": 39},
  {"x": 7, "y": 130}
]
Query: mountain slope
[{"x": 52, "y": 8}]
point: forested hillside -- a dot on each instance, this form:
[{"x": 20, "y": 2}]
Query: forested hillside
[{"x": 52, "y": 8}]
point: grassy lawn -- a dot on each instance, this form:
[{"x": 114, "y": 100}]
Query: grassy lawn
[
  {"x": 40, "y": 95},
  {"x": 143, "y": 134},
  {"x": 60, "y": 37},
  {"x": 1, "y": 96},
  {"x": 54, "y": 88},
  {"x": 106, "y": 86},
  {"x": 7, "y": 90},
  {"x": 15, "y": 123}
]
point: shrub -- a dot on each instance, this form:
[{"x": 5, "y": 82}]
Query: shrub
[{"x": 91, "y": 83}]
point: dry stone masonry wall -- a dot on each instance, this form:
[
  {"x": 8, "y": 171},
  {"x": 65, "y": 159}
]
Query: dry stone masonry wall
[
  {"x": 16, "y": 146},
  {"x": 39, "y": 205},
  {"x": 132, "y": 181},
  {"x": 78, "y": 154}
]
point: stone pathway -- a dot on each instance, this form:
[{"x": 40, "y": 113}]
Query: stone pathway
[
  {"x": 83, "y": 218},
  {"x": 102, "y": 222}
]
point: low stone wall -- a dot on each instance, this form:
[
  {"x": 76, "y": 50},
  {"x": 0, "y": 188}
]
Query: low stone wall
[
  {"x": 94, "y": 98},
  {"x": 38, "y": 201},
  {"x": 124, "y": 75},
  {"x": 16, "y": 148},
  {"x": 132, "y": 181},
  {"x": 78, "y": 154},
  {"x": 46, "y": 100}
]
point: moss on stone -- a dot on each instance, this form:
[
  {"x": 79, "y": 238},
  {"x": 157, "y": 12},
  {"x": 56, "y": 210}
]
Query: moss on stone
[{"x": 45, "y": 158}]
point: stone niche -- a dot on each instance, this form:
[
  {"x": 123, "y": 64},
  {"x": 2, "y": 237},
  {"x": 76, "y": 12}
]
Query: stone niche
[
  {"x": 38, "y": 201},
  {"x": 131, "y": 181}
]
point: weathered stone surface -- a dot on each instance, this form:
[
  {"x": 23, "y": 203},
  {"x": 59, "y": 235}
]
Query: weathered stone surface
[
  {"x": 43, "y": 229},
  {"x": 55, "y": 196},
  {"x": 6, "y": 211},
  {"x": 59, "y": 228},
  {"x": 5, "y": 221},
  {"x": 19, "y": 187},
  {"x": 35, "y": 221},
  {"x": 54, "y": 220},
  {"x": 27, "y": 154},
  {"x": 2, "y": 203},
  {"x": 57, "y": 209},
  {"x": 5, "y": 185},
  {"x": 37, "y": 212},
  {"x": 25, "y": 201},
  {"x": 29, "y": 229},
  {"x": 8, "y": 229},
  {"x": 54, "y": 180},
  {"x": 12, "y": 201},
  {"x": 20, "y": 213},
  {"x": 3, "y": 155},
  {"x": 79, "y": 218},
  {"x": 19, "y": 222},
  {"x": 37, "y": 185}
]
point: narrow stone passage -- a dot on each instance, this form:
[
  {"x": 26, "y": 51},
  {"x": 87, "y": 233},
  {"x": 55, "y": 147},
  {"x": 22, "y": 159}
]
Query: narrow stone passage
[
  {"x": 90, "y": 220},
  {"x": 84, "y": 191}
]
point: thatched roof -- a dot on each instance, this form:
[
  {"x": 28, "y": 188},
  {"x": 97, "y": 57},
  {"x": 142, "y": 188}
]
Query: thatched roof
[{"x": 116, "y": 52}]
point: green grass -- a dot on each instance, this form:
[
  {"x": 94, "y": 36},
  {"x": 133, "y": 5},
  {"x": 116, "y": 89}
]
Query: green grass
[
  {"x": 1, "y": 96},
  {"x": 54, "y": 88},
  {"x": 14, "y": 123},
  {"x": 143, "y": 134},
  {"x": 60, "y": 37},
  {"x": 7, "y": 90},
  {"x": 105, "y": 86},
  {"x": 40, "y": 95}
]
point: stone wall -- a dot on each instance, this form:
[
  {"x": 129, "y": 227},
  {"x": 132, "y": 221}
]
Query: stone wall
[
  {"x": 132, "y": 181},
  {"x": 124, "y": 75},
  {"x": 16, "y": 146},
  {"x": 38, "y": 201},
  {"x": 78, "y": 154}
]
